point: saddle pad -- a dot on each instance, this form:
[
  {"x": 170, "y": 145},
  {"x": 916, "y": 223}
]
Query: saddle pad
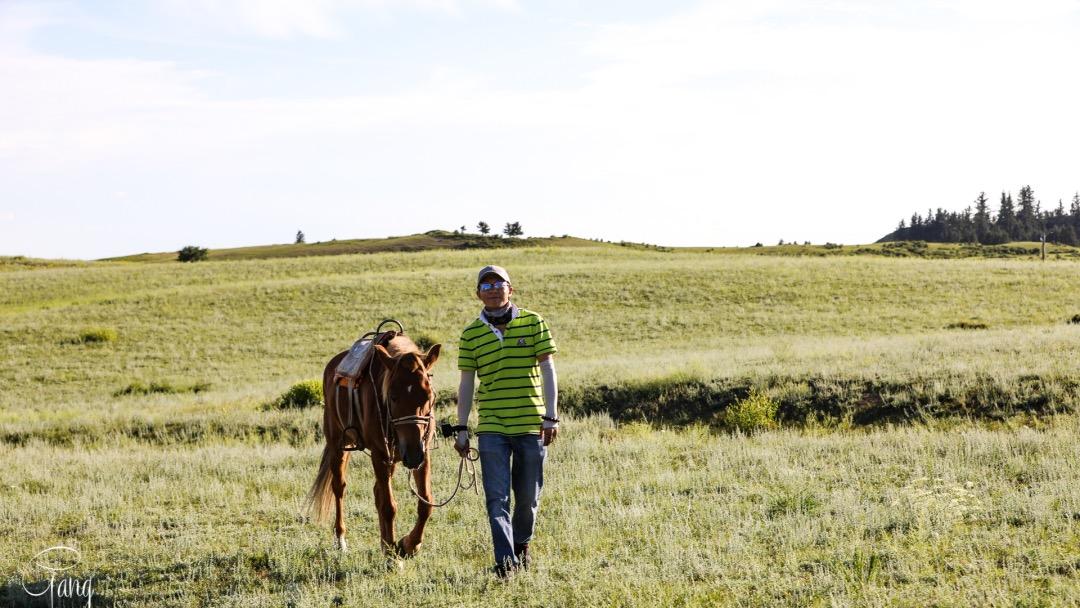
[{"x": 352, "y": 366}]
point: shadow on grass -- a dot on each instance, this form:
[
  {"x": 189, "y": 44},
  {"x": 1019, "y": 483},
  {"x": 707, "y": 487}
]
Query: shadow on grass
[{"x": 682, "y": 401}]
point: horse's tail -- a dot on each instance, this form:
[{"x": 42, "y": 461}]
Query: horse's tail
[{"x": 320, "y": 498}]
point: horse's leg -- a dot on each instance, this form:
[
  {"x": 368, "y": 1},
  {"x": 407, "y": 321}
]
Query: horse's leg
[
  {"x": 339, "y": 498},
  {"x": 411, "y": 542},
  {"x": 384, "y": 503}
]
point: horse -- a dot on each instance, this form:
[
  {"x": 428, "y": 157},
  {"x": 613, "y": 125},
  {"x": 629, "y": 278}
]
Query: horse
[{"x": 396, "y": 424}]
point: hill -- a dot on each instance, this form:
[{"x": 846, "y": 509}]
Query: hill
[{"x": 433, "y": 239}]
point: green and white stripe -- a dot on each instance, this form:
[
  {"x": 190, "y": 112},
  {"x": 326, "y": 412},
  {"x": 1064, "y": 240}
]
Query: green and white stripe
[{"x": 510, "y": 398}]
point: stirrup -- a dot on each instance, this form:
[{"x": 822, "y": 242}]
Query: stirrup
[{"x": 346, "y": 446}]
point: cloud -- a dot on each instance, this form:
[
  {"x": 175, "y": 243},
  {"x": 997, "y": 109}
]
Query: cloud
[
  {"x": 748, "y": 117},
  {"x": 284, "y": 19}
]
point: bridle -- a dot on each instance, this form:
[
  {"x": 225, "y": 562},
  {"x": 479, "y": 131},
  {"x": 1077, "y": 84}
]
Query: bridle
[{"x": 388, "y": 423}]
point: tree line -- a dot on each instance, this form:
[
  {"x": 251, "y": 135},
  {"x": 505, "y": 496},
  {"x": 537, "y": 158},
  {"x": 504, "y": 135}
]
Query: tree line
[{"x": 1022, "y": 219}]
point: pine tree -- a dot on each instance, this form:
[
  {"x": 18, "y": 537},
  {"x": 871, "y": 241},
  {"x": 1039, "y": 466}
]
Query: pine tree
[
  {"x": 982, "y": 217},
  {"x": 1006, "y": 218},
  {"x": 299, "y": 237},
  {"x": 1074, "y": 211},
  {"x": 483, "y": 228},
  {"x": 1027, "y": 216}
]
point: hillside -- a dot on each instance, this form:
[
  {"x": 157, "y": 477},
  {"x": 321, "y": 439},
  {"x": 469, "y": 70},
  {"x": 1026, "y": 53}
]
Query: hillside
[{"x": 433, "y": 239}]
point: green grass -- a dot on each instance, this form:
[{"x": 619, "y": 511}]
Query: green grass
[
  {"x": 630, "y": 516},
  {"x": 926, "y": 451}
]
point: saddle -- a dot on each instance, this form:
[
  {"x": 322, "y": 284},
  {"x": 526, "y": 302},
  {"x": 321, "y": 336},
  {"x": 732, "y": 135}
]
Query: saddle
[{"x": 349, "y": 374}]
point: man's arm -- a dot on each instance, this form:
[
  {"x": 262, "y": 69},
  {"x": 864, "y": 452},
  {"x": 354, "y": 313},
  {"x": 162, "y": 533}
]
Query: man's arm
[
  {"x": 464, "y": 405},
  {"x": 551, "y": 397}
]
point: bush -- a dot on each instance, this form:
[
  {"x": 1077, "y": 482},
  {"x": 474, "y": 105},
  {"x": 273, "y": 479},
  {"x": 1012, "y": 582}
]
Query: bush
[
  {"x": 1075, "y": 320},
  {"x": 165, "y": 388},
  {"x": 306, "y": 393},
  {"x": 967, "y": 325},
  {"x": 424, "y": 342},
  {"x": 96, "y": 335},
  {"x": 756, "y": 412},
  {"x": 192, "y": 253}
]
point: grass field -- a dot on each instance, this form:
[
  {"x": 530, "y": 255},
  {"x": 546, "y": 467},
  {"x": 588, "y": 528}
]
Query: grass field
[{"x": 927, "y": 454}]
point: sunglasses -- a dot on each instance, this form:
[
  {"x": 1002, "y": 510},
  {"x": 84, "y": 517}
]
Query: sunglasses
[{"x": 490, "y": 286}]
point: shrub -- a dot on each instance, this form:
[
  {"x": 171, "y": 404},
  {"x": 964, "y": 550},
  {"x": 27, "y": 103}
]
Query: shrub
[
  {"x": 96, "y": 335},
  {"x": 155, "y": 387},
  {"x": 192, "y": 253},
  {"x": 792, "y": 503},
  {"x": 305, "y": 393},
  {"x": 967, "y": 325},
  {"x": 424, "y": 341},
  {"x": 756, "y": 412},
  {"x": 1075, "y": 320}
]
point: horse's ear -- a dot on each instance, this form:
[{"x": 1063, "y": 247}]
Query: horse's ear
[
  {"x": 383, "y": 355},
  {"x": 432, "y": 356}
]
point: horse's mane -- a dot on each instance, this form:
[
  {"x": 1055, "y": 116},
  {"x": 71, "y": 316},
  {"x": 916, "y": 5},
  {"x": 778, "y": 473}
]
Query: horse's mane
[{"x": 400, "y": 345}]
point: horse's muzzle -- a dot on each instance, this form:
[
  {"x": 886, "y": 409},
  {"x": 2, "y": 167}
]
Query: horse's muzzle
[{"x": 412, "y": 458}]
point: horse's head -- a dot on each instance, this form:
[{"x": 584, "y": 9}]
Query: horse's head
[{"x": 410, "y": 398}]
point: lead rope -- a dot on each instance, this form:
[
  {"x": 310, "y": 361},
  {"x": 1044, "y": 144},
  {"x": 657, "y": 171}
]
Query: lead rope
[{"x": 467, "y": 463}]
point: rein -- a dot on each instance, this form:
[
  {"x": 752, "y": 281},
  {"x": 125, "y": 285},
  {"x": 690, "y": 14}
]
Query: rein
[{"x": 468, "y": 463}]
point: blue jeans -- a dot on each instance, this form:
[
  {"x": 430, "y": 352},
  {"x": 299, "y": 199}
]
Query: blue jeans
[{"x": 511, "y": 461}]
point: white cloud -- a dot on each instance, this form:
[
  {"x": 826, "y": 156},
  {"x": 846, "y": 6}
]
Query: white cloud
[
  {"x": 723, "y": 124},
  {"x": 282, "y": 19}
]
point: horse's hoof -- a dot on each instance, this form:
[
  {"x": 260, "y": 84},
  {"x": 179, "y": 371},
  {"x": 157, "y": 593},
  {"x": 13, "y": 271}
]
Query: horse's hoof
[
  {"x": 340, "y": 543},
  {"x": 394, "y": 564},
  {"x": 400, "y": 550}
]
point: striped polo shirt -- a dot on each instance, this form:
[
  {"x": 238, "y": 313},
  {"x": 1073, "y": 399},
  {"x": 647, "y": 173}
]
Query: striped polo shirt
[{"x": 510, "y": 398}]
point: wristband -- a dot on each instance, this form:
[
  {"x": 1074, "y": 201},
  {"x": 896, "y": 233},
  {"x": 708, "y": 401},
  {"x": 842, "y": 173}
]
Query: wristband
[
  {"x": 549, "y": 419},
  {"x": 448, "y": 430}
]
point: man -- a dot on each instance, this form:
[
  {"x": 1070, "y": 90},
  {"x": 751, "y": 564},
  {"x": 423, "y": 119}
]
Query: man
[{"x": 510, "y": 350}]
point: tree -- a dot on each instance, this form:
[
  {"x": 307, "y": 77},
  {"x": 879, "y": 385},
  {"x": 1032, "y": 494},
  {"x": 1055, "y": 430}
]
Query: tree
[
  {"x": 1006, "y": 217},
  {"x": 462, "y": 229},
  {"x": 1064, "y": 234},
  {"x": 1027, "y": 215},
  {"x": 299, "y": 237},
  {"x": 191, "y": 253},
  {"x": 513, "y": 229},
  {"x": 483, "y": 228},
  {"x": 982, "y": 217}
]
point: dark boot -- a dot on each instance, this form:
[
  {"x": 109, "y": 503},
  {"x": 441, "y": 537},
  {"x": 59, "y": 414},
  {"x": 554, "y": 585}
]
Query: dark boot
[
  {"x": 505, "y": 569},
  {"x": 522, "y": 554}
]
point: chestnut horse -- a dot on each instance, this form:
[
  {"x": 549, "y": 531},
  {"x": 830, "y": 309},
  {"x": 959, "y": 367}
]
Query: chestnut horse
[{"x": 396, "y": 423}]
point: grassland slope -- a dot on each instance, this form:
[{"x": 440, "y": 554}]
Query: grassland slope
[{"x": 434, "y": 239}]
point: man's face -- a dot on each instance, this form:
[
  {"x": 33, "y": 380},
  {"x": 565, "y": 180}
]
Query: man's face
[{"x": 494, "y": 297}]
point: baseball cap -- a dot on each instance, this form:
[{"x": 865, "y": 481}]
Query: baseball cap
[{"x": 499, "y": 271}]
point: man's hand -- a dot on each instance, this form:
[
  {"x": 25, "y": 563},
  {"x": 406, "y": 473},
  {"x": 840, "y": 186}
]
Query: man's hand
[
  {"x": 549, "y": 435},
  {"x": 462, "y": 443}
]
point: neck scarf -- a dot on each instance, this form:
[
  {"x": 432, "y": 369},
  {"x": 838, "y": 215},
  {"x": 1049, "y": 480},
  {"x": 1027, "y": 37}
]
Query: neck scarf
[{"x": 500, "y": 316}]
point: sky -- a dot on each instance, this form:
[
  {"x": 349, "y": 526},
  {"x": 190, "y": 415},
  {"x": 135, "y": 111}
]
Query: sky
[{"x": 146, "y": 126}]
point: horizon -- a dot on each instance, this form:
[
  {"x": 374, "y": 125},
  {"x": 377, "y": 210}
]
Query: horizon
[{"x": 229, "y": 123}]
